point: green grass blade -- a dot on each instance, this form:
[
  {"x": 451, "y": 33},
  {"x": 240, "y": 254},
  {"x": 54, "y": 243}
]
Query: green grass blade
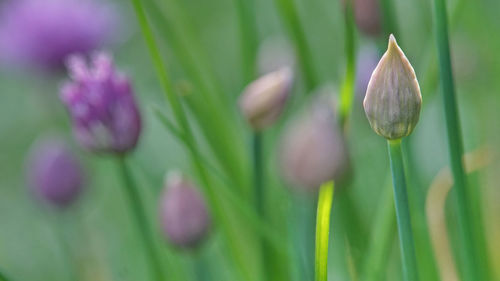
[
  {"x": 468, "y": 254},
  {"x": 290, "y": 18},
  {"x": 325, "y": 201}
]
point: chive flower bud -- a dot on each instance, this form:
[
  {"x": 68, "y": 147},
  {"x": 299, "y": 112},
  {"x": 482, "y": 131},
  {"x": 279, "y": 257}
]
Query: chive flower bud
[
  {"x": 367, "y": 16},
  {"x": 102, "y": 106},
  {"x": 43, "y": 33},
  {"x": 264, "y": 99},
  {"x": 183, "y": 212},
  {"x": 54, "y": 173},
  {"x": 393, "y": 100},
  {"x": 313, "y": 150}
]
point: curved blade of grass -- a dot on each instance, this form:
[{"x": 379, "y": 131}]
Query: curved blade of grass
[
  {"x": 325, "y": 201},
  {"x": 220, "y": 214},
  {"x": 248, "y": 37},
  {"x": 217, "y": 125},
  {"x": 290, "y": 17},
  {"x": 468, "y": 254}
]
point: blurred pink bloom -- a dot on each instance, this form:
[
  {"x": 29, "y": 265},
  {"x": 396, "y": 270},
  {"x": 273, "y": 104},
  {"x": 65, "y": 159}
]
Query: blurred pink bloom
[{"x": 183, "y": 212}]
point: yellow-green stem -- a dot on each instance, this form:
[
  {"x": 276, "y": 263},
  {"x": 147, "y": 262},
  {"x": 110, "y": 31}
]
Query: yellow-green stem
[{"x": 325, "y": 201}]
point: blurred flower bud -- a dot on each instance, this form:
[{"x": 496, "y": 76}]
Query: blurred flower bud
[
  {"x": 264, "y": 99},
  {"x": 367, "y": 16},
  {"x": 54, "y": 174},
  {"x": 393, "y": 100},
  {"x": 368, "y": 57},
  {"x": 43, "y": 33},
  {"x": 274, "y": 54},
  {"x": 183, "y": 211},
  {"x": 313, "y": 150},
  {"x": 102, "y": 106}
]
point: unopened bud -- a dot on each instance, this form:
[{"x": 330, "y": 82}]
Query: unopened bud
[
  {"x": 393, "y": 100},
  {"x": 183, "y": 211},
  {"x": 264, "y": 99},
  {"x": 54, "y": 173},
  {"x": 313, "y": 150}
]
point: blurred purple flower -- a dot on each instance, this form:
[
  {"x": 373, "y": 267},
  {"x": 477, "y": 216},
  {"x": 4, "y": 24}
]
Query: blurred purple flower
[
  {"x": 54, "y": 174},
  {"x": 313, "y": 150},
  {"x": 43, "y": 33},
  {"x": 102, "y": 105},
  {"x": 183, "y": 212},
  {"x": 368, "y": 57}
]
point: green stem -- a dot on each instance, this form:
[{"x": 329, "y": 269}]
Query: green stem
[
  {"x": 290, "y": 17},
  {"x": 347, "y": 89},
  {"x": 141, "y": 220},
  {"x": 248, "y": 37},
  {"x": 220, "y": 214},
  {"x": 469, "y": 257},
  {"x": 325, "y": 201},
  {"x": 402, "y": 211},
  {"x": 260, "y": 197}
]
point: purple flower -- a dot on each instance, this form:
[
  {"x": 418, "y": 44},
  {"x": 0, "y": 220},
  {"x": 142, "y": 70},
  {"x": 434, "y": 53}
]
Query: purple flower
[
  {"x": 43, "y": 33},
  {"x": 102, "y": 106},
  {"x": 183, "y": 212},
  {"x": 368, "y": 57},
  {"x": 54, "y": 174},
  {"x": 313, "y": 150}
]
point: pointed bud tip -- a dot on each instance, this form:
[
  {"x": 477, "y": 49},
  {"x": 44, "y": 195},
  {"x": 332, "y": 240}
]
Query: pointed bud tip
[{"x": 393, "y": 44}]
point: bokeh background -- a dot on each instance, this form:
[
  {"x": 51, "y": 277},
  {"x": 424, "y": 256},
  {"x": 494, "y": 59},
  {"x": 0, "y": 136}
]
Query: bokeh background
[{"x": 96, "y": 237}]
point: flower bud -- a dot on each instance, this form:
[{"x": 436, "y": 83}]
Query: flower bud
[
  {"x": 102, "y": 106},
  {"x": 264, "y": 99},
  {"x": 54, "y": 174},
  {"x": 367, "y": 16},
  {"x": 393, "y": 100},
  {"x": 313, "y": 150},
  {"x": 183, "y": 212}
]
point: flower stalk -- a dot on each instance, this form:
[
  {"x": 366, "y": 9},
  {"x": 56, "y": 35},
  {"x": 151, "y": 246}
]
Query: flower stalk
[
  {"x": 141, "y": 220},
  {"x": 325, "y": 201},
  {"x": 468, "y": 254},
  {"x": 402, "y": 211}
]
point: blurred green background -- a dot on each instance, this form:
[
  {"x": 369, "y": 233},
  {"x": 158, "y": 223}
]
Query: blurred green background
[{"x": 98, "y": 231}]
